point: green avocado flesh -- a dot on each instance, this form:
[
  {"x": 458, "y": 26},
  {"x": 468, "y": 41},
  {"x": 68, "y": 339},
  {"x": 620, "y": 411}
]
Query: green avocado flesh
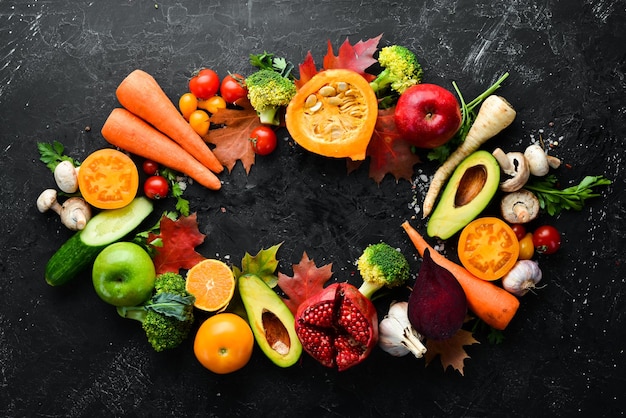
[
  {"x": 468, "y": 192},
  {"x": 271, "y": 321}
]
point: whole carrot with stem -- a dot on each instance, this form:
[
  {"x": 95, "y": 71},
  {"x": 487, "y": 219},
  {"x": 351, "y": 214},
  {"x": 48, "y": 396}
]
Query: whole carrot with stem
[
  {"x": 131, "y": 133},
  {"x": 494, "y": 305},
  {"x": 140, "y": 94}
]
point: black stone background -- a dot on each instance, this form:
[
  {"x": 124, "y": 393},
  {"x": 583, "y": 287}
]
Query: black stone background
[{"x": 65, "y": 353}]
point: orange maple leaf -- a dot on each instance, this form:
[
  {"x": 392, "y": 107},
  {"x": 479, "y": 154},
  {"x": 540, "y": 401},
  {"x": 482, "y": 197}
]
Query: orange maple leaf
[
  {"x": 232, "y": 137},
  {"x": 307, "y": 280},
  {"x": 450, "y": 351}
]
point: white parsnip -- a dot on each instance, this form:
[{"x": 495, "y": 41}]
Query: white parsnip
[{"x": 495, "y": 114}]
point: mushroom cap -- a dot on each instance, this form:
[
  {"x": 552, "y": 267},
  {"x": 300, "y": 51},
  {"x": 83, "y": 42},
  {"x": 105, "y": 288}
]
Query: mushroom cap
[
  {"x": 75, "y": 213},
  {"x": 513, "y": 164},
  {"x": 46, "y": 200},
  {"x": 537, "y": 160},
  {"x": 519, "y": 207},
  {"x": 66, "y": 177}
]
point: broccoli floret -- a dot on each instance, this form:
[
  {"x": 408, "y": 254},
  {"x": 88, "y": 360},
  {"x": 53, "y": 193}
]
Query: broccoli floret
[
  {"x": 401, "y": 70},
  {"x": 381, "y": 265},
  {"x": 268, "y": 91},
  {"x": 168, "y": 316}
]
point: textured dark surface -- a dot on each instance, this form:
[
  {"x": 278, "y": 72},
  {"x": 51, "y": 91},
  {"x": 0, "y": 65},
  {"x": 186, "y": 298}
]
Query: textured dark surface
[{"x": 65, "y": 353}]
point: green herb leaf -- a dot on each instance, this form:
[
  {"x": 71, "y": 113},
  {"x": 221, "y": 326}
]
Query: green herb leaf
[
  {"x": 554, "y": 200},
  {"x": 182, "y": 204},
  {"x": 171, "y": 304},
  {"x": 52, "y": 154}
]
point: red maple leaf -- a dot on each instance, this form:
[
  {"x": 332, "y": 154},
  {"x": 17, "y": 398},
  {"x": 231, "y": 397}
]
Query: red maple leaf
[
  {"x": 388, "y": 152},
  {"x": 179, "y": 239},
  {"x": 307, "y": 70},
  {"x": 358, "y": 57},
  {"x": 450, "y": 351},
  {"x": 232, "y": 137},
  {"x": 307, "y": 280}
]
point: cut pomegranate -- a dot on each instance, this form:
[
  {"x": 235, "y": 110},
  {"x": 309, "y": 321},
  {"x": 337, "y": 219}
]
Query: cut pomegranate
[{"x": 338, "y": 326}]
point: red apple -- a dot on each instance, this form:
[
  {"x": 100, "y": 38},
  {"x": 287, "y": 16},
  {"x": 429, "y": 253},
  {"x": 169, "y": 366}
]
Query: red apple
[{"x": 427, "y": 115}]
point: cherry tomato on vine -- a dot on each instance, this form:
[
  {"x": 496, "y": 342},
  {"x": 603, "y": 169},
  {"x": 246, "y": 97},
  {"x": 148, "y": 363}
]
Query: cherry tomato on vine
[
  {"x": 187, "y": 104},
  {"x": 156, "y": 187},
  {"x": 526, "y": 247},
  {"x": 263, "y": 140},
  {"x": 150, "y": 167},
  {"x": 233, "y": 88},
  {"x": 546, "y": 239},
  {"x": 205, "y": 84},
  {"x": 212, "y": 104},
  {"x": 200, "y": 122},
  {"x": 520, "y": 230}
]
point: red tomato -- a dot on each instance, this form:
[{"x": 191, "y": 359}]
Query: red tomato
[
  {"x": 546, "y": 239},
  {"x": 233, "y": 88},
  {"x": 520, "y": 230},
  {"x": 156, "y": 187},
  {"x": 205, "y": 84},
  {"x": 150, "y": 167},
  {"x": 263, "y": 140}
]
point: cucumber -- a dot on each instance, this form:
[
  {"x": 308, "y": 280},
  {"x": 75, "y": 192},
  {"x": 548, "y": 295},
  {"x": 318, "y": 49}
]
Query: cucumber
[{"x": 107, "y": 227}]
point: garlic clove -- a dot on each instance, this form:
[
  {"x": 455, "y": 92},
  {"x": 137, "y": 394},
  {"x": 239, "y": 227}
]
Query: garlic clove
[{"x": 396, "y": 334}]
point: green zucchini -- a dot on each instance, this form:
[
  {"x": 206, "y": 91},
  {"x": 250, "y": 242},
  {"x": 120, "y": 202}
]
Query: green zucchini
[{"x": 107, "y": 227}]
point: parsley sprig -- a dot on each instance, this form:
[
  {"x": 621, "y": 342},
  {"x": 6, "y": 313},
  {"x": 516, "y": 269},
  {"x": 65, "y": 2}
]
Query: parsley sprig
[
  {"x": 52, "y": 154},
  {"x": 182, "y": 204},
  {"x": 555, "y": 200}
]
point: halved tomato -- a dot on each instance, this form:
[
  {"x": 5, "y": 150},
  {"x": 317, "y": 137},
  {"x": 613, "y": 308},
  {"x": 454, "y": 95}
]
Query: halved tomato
[
  {"x": 108, "y": 179},
  {"x": 488, "y": 248}
]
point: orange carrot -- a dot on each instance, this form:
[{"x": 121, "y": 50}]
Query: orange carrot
[
  {"x": 140, "y": 93},
  {"x": 489, "y": 302},
  {"x": 131, "y": 133}
]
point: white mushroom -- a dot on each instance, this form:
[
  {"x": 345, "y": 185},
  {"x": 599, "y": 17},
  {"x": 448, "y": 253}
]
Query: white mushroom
[
  {"x": 515, "y": 166},
  {"x": 66, "y": 177},
  {"x": 74, "y": 213},
  {"x": 539, "y": 161},
  {"x": 519, "y": 207}
]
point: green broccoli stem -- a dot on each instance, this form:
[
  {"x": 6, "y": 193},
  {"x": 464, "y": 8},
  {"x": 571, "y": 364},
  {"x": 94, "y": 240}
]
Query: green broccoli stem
[
  {"x": 381, "y": 81},
  {"x": 368, "y": 289},
  {"x": 138, "y": 313},
  {"x": 269, "y": 116}
]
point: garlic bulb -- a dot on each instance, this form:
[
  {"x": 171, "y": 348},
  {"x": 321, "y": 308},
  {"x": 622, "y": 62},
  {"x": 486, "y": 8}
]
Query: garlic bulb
[
  {"x": 523, "y": 277},
  {"x": 396, "y": 336}
]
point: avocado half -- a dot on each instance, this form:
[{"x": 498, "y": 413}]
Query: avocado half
[
  {"x": 271, "y": 321},
  {"x": 470, "y": 189}
]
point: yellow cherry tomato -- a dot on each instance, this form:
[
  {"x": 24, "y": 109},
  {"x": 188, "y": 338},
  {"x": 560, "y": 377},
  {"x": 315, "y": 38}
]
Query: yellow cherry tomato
[
  {"x": 200, "y": 122},
  {"x": 224, "y": 343},
  {"x": 526, "y": 247},
  {"x": 213, "y": 104},
  {"x": 187, "y": 104}
]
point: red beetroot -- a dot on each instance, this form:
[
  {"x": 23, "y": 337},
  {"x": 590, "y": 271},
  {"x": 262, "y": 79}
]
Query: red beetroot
[
  {"x": 437, "y": 304},
  {"x": 338, "y": 326}
]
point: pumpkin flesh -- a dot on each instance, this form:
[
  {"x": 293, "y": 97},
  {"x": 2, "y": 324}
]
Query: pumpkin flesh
[{"x": 334, "y": 114}]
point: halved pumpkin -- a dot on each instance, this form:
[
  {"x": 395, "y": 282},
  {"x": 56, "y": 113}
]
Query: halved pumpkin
[{"x": 334, "y": 114}]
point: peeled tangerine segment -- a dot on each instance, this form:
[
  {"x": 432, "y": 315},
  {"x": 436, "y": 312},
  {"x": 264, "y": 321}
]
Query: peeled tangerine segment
[{"x": 334, "y": 114}]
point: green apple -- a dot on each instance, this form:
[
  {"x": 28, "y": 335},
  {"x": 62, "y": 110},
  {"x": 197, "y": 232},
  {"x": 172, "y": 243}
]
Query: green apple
[{"x": 123, "y": 274}]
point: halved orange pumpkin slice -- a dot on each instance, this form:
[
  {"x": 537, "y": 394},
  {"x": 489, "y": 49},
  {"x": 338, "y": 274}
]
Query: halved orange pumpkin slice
[{"x": 334, "y": 114}]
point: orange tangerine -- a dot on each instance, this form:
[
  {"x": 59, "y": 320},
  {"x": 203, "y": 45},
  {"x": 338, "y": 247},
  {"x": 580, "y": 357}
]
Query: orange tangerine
[{"x": 212, "y": 283}]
